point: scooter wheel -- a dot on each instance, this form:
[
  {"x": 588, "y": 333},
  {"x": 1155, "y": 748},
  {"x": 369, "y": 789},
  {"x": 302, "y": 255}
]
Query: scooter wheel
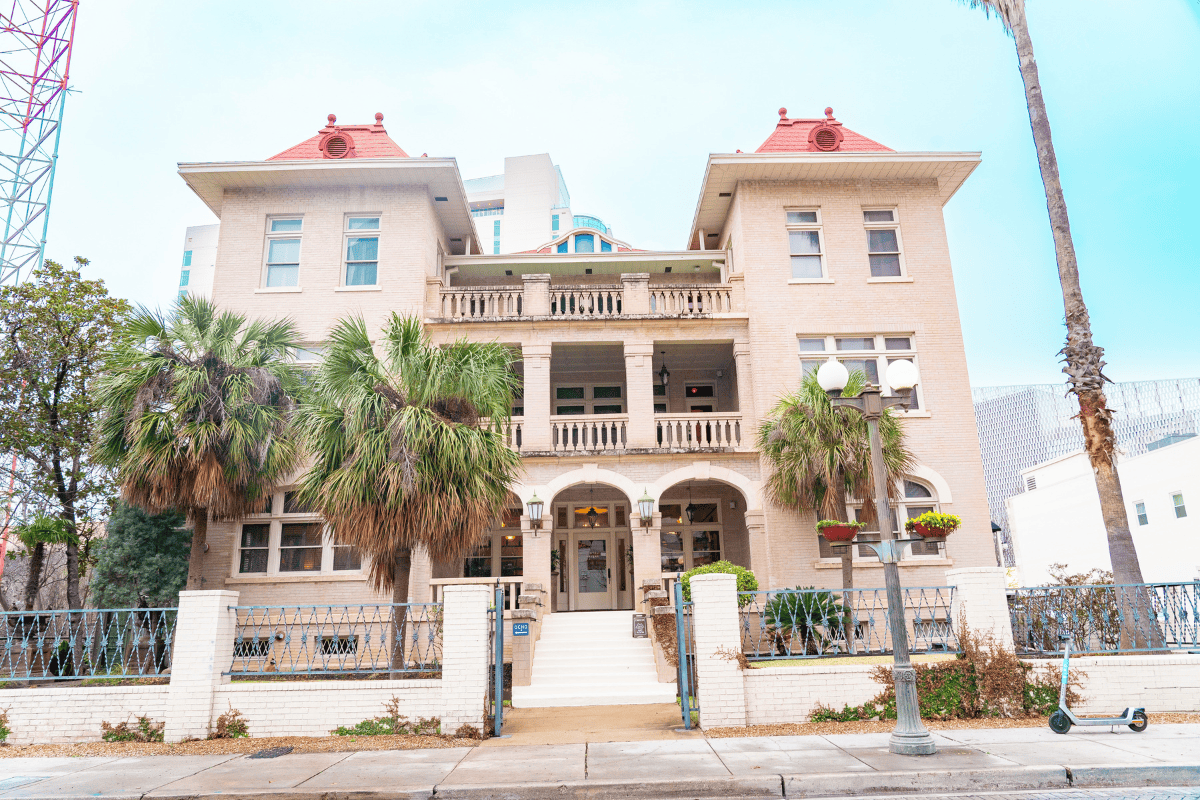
[
  {"x": 1139, "y": 721},
  {"x": 1060, "y": 722}
]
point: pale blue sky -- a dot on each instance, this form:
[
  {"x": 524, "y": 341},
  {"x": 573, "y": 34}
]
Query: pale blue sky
[{"x": 630, "y": 97}]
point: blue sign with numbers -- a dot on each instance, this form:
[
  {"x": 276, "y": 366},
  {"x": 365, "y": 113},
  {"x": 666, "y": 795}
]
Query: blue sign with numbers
[{"x": 520, "y": 629}]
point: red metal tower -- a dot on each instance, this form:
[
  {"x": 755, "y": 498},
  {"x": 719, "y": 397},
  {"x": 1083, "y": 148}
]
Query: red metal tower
[{"x": 36, "y": 37}]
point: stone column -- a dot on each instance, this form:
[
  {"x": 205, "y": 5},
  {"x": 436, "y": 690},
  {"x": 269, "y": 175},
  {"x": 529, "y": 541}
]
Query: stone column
[
  {"x": 760, "y": 547},
  {"x": 535, "y": 552},
  {"x": 536, "y": 430},
  {"x": 464, "y": 656},
  {"x": 647, "y": 554},
  {"x": 535, "y": 296},
  {"x": 636, "y": 291},
  {"x": 980, "y": 599},
  {"x": 433, "y": 297},
  {"x": 639, "y": 383},
  {"x": 745, "y": 392},
  {"x": 737, "y": 291},
  {"x": 522, "y": 648},
  {"x": 722, "y": 686},
  {"x": 203, "y": 652}
]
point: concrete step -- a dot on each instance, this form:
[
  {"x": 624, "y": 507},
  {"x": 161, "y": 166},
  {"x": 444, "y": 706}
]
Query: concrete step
[
  {"x": 542, "y": 697},
  {"x": 633, "y": 679}
]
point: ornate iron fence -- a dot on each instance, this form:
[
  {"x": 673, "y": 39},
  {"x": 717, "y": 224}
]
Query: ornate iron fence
[
  {"x": 814, "y": 623},
  {"x": 93, "y": 643},
  {"x": 387, "y": 640},
  {"x": 1106, "y": 618}
]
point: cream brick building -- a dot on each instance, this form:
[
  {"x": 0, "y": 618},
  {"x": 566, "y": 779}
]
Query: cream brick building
[{"x": 643, "y": 372}]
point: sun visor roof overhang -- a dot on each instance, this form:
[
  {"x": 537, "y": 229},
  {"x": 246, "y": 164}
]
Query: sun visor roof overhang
[
  {"x": 209, "y": 181},
  {"x": 726, "y": 170}
]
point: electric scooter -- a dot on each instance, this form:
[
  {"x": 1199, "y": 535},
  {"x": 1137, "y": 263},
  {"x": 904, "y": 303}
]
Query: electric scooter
[{"x": 1062, "y": 719}]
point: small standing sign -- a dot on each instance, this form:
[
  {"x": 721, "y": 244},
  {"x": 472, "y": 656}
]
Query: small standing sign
[
  {"x": 640, "y": 630},
  {"x": 520, "y": 629}
]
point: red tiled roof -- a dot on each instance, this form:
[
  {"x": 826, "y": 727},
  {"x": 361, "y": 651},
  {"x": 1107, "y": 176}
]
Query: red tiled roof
[
  {"x": 361, "y": 141},
  {"x": 793, "y": 136}
]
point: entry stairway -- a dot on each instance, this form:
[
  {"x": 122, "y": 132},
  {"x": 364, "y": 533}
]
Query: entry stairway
[{"x": 590, "y": 658}]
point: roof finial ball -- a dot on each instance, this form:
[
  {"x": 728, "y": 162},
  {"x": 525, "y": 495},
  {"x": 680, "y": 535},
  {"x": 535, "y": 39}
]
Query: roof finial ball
[
  {"x": 829, "y": 112},
  {"x": 783, "y": 113},
  {"x": 332, "y": 118},
  {"x": 378, "y": 117}
]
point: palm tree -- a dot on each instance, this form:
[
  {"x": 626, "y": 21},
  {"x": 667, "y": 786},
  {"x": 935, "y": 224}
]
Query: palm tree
[
  {"x": 819, "y": 454},
  {"x": 1084, "y": 360},
  {"x": 197, "y": 413},
  {"x": 406, "y": 445}
]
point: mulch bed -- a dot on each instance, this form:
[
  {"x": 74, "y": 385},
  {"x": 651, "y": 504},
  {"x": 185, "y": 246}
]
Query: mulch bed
[
  {"x": 208, "y": 747},
  {"x": 887, "y": 726}
]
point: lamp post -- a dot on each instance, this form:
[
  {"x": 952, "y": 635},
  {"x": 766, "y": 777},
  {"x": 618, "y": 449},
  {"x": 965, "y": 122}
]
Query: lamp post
[{"x": 910, "y": 736}]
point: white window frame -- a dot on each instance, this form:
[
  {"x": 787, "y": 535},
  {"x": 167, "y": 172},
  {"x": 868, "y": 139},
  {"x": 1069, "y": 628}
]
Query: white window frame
[
  {"x": 879, "y": 353},
  {"x": 817, "y": 226},
  {"x": 271, "y": 236},
  {"x": 900, "y": 510},
  {"x": 686, "y": 528},
  {"x": 903, "y": 277},
  {"x": 588, "y": 402},
  {"x": 1182, "y": 504},
  {"x": 1140, "y": 513},
  {"x": 362, "y": 233},
  {"x": 701, "y": 401},
  {"x": 277, "y": 519},
  {"x": 497, "y": 536}
]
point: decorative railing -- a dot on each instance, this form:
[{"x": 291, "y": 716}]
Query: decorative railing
[
  {"x": 113, "y": 643},
  {"x": 362, "y": 641},
  {"x": 588, "y": 433},
  {"x": 676, "y": 301},
  {"x": 512, "y": 588},
  {"x": 586, "y": 301},
  {"x": 812, "y": 623},
  {"x": 697, "y": 431},
  {"x": 514, "y": 432},
  {"x": 1127, "y": 618},
  {"x": 482, "y": 302}
]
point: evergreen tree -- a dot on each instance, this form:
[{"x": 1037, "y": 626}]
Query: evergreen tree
[{"x": 143, "y": 557}]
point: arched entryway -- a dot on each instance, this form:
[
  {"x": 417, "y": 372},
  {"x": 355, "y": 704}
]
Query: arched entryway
[
  {"x": 703, "y": 521},
  {"x": 591, "y": 548}
]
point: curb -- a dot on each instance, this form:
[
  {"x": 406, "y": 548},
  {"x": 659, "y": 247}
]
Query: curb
[
  {"x": 1137, "y": 775},
  {"x": 841, "y": 784},
  {"x": 758, "y": 786}
]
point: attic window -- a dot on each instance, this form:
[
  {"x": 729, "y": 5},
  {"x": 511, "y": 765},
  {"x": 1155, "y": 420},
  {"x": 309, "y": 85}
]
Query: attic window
[
  {"x": 440, "y": 199},
  {"x": 336, "y": 147},
  {"x": 725, "y": 194},
  {"x": 826, "y": 139}
]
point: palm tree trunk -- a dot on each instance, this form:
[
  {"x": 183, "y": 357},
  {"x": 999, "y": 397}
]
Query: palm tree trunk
[
  {"x": 1083, "y": 359},
  {"x": 400, "y": 609},
  {"x": 34, "y": 578},
  {"x": 195, "y": 578}
]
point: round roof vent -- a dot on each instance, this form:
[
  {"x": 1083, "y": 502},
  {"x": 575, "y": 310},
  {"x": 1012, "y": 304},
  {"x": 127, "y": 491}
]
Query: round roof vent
[
  {"x": 337, "y": 144},
  {"x": 336, "y": 147},
  {"x": 825, "y": 137}
]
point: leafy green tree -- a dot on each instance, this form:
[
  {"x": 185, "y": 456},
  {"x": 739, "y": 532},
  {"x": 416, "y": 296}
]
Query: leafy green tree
[
  {"x": 197, "y": 414},
  {"x": 818, "y": 454},
  {"x": 406, "y": 444},
  {"x": 56, "y": 333},
  {"x": 142, "y": 561},
  {"x": 35, "y": 536}
]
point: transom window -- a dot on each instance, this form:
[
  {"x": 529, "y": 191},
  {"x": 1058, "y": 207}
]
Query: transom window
[
  {"x": 283, "y": 252},
  {"x": 686, "y": 545},
  {"x": 362, "y": 251},
  {"x": 805, "y": 244},
  {"x": 869, "y": 354},
  {"x": 589, "y": 399},
  {"x": 883, "y": 243},
  {"x": 286, "y": 537}
]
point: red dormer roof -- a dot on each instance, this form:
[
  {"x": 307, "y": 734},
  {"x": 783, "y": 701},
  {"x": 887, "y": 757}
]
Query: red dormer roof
[
  {"x": 345, "y": 141},
  {"x": 816, "y": 136}
]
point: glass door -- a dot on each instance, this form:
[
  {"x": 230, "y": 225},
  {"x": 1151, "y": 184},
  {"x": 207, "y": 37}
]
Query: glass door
[{"x": 592, "y": 562}]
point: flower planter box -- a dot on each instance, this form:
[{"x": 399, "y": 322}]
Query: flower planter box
[
  {"x": 839, "y": 533},
  {"x": 926, "y": 532}
]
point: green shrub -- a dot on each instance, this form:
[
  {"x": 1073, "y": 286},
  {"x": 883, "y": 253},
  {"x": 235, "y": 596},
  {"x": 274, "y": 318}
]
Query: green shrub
[
  {"x": 4, "y": 729},
  {"x": 746, "y": 582},
  {"x": 806, "y": 619},
  {"x": 231, "y": 725},
  {"x": 393, "y": 724},
  {"x": 146, "y": 730}
]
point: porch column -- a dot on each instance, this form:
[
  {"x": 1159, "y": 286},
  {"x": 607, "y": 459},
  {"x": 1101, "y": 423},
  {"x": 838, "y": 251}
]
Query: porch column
[
  {"x": 760, "y": 549},
  {"x": 647, "y": 553},
  {"x": 639, "y": 384},
  {"x": 635, "y": 290},
  {"x": 745, "y": 390},
  {"x": 536, "y": 430},
  {"x": 535, "y": 295},
  {"x": 535, "y": 552}
]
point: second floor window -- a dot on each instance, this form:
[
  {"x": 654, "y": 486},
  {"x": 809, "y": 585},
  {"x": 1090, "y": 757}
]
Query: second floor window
[
  {"x": 804, "y": 244},
  {"x": 883, "y": 243},
  {"x": 283, "y": 252},
  {"x": 362, "y": 251},
  {"x": 869, "y": 354},
  {"x": 1142, "y": 517}
]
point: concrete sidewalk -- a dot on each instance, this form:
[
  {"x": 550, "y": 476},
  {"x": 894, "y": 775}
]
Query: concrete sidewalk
[{"x": 787, "y": 766}]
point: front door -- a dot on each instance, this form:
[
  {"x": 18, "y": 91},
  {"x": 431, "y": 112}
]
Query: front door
[{"x": 592, "y": 561}]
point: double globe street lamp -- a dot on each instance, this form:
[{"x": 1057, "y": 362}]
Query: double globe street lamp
[{"x": 910, "y": 736}]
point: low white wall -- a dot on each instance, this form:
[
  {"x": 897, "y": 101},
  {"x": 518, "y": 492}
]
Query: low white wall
[
  {"x": 315, "y": 708},
  {"x": 1156, "y": 682},
  {"x": 61, "y": 715}
]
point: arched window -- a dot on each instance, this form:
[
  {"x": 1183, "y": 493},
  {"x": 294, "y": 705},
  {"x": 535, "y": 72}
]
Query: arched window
[{"x": 585, "y": 243}]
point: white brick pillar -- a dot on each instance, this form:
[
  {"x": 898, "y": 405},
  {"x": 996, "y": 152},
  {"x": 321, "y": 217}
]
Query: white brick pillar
[
  {"x": 202, "y": 652},
  {"x": 535, "y": 431},
  {"x": 639, "y": 381},
  {"x": 980, "y": 599},
  {"x": 464, "y": 656},
  {"x": 721, "y": 689},
  {"x": 647, "y": 554}
]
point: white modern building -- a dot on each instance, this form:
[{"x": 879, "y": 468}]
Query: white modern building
[
  {"x": 1056, "y": 520},
  {"x": 199, "y": 260}
]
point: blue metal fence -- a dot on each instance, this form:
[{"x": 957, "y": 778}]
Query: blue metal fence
[
  {"x": 1109, "y": 618},
  {"x": 97, "y": 643},
  {"x": 494, "y": 702},
  {"x": 816, "y": 623},
  {"x": 685, "y": 639},
  {"x": 382, "y": 640}
]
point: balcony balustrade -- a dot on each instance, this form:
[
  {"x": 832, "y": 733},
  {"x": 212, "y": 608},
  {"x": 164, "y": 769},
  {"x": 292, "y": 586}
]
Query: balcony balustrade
[
  {"x": 698, "y": 431},
  {"x": 589, "y": 433},
  {"x": 679, "y": 301},
  {"x": 480, "y": 303}
]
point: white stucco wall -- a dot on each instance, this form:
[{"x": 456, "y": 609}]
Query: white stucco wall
[{"x": 1059, "y": 521}]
